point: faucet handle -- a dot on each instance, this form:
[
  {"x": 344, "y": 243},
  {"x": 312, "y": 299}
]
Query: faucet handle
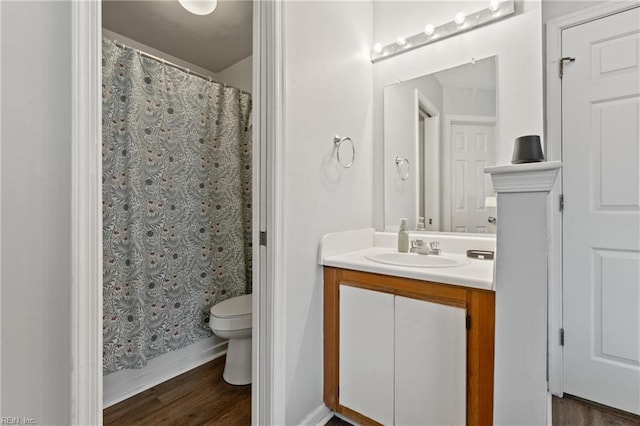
[
  {"x": 417, "y": 243},
  {"x": 434, "y": 247}
]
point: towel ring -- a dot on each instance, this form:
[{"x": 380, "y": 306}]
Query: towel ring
[
  {"x": 337, "y": 140},
  {"x": 399, "y": 162}
]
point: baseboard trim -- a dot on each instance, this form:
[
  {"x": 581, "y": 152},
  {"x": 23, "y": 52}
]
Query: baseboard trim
[
  {"x": 326, "y": 418},
  {"x": 319, "y": 417},
  {"x": 124, "y": 384}
]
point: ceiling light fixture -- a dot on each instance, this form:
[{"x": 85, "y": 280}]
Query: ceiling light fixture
[
  {"x": 493, "y": 11},
  {"x": 199, "y": 7},
  {"x": 429, "y": 29}
]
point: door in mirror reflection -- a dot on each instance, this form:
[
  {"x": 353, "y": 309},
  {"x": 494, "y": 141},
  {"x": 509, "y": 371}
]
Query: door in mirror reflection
[{"x": 472, "y": 149}]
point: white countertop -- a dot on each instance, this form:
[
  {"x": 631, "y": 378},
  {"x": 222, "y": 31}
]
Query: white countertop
[{"x": 476, "y": 274}]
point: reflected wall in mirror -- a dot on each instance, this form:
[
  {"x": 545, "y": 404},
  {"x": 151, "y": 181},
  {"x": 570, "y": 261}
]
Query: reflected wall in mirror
[{"x": 443, "y": 128}]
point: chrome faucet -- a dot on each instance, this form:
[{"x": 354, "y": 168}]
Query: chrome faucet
[{"x": 420, "y": 247}]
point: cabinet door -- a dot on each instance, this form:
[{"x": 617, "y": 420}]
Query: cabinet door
[
  {"x": 430, "y": 363},
  {"x": 366, "y": 352}
]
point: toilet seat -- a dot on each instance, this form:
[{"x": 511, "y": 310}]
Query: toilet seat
[{"x": 232, "y": 314}]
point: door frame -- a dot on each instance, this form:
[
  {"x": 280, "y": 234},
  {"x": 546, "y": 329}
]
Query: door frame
[
  {"x": 268, "y": 393},
  {"x": 553, "y": 150},
  {"x": 449, "y": 121},
  {"x": 269, "y": 378},
  {"x": 86, "y": 214}
]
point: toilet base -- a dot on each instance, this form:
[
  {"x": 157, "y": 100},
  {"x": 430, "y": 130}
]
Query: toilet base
[{"x": 237, "y": 368}]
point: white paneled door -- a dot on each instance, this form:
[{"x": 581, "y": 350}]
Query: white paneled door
[
  {"x": 601, "y": 222},
  {"x": 472, "y": 149}
]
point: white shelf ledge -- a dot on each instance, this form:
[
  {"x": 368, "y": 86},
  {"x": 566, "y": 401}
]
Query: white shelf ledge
[{"x": 529, "y": 177}]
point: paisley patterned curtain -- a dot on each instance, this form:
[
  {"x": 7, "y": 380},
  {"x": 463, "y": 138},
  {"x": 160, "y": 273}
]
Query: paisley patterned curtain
[{"x": 176, "y": 159}]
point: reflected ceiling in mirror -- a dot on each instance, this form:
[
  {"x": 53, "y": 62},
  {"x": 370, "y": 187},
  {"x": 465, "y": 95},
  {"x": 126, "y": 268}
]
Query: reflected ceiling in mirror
[
  {"x": 470, "y": 15},
  {"x": 442, "y": 127}
]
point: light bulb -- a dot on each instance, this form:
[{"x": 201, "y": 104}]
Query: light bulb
[
  {"x": 459, "y": 18},
  {"x": 377, "y": 48},
  {"x": 494, "y": 5},
  {"x": 401, "y": 41},
  {"x": 199, "y": 7},
  {"x": 429, "y": 29}
]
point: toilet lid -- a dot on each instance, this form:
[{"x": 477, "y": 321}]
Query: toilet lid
[{"x": 234, "y": 307}]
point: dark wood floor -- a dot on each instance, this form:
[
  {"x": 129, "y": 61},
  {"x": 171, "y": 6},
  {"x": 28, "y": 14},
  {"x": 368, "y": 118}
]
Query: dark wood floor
[
  {"x": 197, "y": 397},
  {"x": 201, "y": 397},
  {"x": 337, "y": 421},
  {"x": 571, "y": 410}
]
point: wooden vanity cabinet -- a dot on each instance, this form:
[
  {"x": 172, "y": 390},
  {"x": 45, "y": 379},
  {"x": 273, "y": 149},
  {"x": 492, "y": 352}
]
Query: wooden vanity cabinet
[{"x": 393, "y": 331}]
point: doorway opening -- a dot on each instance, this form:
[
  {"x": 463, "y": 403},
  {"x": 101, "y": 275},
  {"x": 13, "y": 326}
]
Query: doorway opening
[
  {"x": 177, "y": 176},
  {"x": 86, "y": 213}
]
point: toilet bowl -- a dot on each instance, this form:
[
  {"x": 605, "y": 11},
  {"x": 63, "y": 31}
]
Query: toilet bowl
[{"x": 231, "y": 320}]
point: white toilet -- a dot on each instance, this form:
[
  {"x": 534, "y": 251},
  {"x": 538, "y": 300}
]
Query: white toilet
[{"x": 231, "y": 320}]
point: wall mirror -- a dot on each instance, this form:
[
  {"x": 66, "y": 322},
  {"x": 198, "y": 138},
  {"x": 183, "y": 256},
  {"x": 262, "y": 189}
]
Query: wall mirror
[{"x": 439, "y": 135}]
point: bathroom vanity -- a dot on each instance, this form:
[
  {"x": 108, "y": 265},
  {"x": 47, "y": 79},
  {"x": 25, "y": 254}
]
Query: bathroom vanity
[{"x": 407, "y": 344}]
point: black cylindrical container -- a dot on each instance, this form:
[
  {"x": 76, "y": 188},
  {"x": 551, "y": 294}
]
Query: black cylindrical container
[{"x": 527, "y": 149}]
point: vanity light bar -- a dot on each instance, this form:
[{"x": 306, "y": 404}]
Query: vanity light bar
[{"x": 495, "y": 12}]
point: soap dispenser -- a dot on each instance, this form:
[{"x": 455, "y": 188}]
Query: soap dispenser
[{"x": 403, "y": 236}]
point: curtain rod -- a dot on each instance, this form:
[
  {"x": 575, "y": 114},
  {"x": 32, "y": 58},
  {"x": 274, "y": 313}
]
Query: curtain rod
[{"x": 180, "y": 67}]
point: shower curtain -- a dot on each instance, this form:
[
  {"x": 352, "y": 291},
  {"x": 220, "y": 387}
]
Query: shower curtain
[{"x": 176, "y": 178}]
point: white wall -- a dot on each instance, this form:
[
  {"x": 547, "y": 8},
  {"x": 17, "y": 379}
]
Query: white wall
[
  {"x": 469, "y": 101},
  {"x": 36, "y": 210},
  {"x": 516, "y": 41},
  {"x": 395, "y": 18},
  {"x": 556, "y": 8},
  {"x": 239, "y": 75},
  {"x": 328, "y": 92}
]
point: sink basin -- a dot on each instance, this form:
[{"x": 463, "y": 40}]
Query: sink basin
[{"x": 416, "y": 260}]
